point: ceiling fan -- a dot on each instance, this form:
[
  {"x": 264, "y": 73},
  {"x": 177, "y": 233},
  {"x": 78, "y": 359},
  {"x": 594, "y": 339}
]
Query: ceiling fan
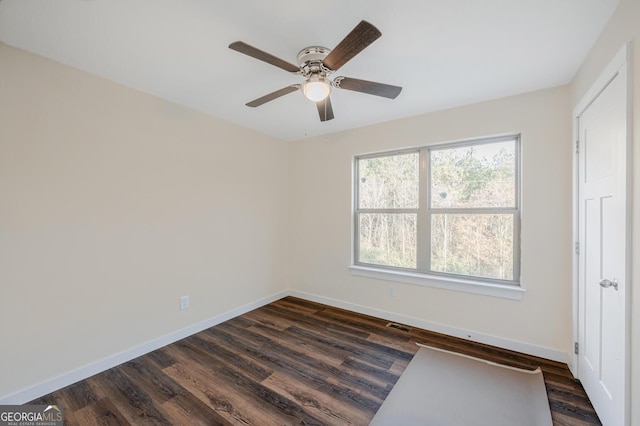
[{"x": 317, "y": 63}]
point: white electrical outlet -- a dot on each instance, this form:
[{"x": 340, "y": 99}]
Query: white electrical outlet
[
  {"x": 391, "y": 290},
  {"x": 184, "y": 302}
]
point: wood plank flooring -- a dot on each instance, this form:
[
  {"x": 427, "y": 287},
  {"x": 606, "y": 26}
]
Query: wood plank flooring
[{"x": 292, "y": 362}]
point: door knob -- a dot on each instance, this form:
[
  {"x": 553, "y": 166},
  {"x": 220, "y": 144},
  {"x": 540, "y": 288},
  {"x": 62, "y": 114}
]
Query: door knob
[{"x": 605, "y": 283}]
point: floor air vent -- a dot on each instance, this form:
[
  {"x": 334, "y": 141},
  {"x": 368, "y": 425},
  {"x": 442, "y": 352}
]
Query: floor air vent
[{"x": 399, "y": 326}]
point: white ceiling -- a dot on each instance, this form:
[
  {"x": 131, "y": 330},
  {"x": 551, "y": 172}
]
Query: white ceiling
[{"x": 444, "y": 53}]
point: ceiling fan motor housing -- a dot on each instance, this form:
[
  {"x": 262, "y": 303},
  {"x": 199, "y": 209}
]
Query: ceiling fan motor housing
[{"x": 310, "y": 60}]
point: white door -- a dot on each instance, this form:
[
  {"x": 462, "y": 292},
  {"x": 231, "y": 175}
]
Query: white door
[{"x": 602, "y": 262}]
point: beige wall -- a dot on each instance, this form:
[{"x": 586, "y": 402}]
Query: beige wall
[
  {"x": 113, "y": 204},
  {"x": 623, "y": 27},
  {"x": 322, "y": 220}
]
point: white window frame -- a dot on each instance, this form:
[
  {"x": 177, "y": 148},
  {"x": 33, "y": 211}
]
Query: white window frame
[{"x": 509, "y": 289}]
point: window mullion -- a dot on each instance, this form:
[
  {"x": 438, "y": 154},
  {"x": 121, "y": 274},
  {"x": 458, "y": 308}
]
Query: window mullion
[
  {"x": 387, "y": 211},
  {"x": 485, "y": 210},
  {"x": 424, "y": 223}
]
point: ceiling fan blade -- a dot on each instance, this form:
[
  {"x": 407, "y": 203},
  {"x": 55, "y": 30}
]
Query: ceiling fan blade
[
  {"x": 369, "y": 87},
  {"x": 242, "y": 47},
  {"x": 325, "y": 109},
  {"x": 355, "y": 42},
  {"x": 273, "y": 95}
]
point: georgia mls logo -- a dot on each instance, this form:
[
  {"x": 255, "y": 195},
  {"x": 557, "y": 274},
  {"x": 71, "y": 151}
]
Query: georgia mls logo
[{"x": 31, "y": 415}]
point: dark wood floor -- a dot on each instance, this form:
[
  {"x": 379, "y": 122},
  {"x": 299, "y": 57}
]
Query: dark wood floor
[{"x": 292, "y": 362}]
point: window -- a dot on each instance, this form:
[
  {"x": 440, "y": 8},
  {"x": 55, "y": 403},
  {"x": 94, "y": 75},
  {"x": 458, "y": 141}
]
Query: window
[{"x": 449, "y": 210}]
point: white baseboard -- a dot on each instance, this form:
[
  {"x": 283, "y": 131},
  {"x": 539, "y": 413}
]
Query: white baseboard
[
  {"x": 32, "y": 392},
  {"x": 36, "y": 391},
  {"x": 473, "y": 336}
]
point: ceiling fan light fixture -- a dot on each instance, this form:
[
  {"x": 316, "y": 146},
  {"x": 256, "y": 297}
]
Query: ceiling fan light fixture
[{"x": 316, "y": 88}]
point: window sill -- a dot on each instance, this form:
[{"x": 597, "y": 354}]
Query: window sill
[{"x": 466, "y": 286}]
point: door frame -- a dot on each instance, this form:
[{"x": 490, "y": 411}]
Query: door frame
[{"x": 620, "y": 60}]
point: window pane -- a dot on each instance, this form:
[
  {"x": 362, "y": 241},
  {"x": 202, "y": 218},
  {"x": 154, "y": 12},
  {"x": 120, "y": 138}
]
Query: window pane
[
  {"x": 482, "y": 175},
  {"x": 388, "y": 239},
  {"x": 388, "y": 182},
  {"x": 473, "y": 244}
]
